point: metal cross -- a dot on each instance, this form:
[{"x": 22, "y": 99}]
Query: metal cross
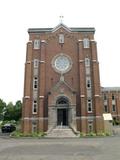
[{"x": 61, "y": 19}]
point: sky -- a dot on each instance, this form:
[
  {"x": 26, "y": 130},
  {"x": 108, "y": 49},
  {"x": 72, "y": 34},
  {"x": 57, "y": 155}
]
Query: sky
[{"x": 17, "y": 16}]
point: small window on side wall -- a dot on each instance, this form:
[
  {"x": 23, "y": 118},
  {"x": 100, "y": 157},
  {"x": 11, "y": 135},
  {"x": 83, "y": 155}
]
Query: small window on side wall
[
  {"x": 113, "y": 108},
  {"x": 105, "y": 108},
  {"x": 113, "y": 97}
]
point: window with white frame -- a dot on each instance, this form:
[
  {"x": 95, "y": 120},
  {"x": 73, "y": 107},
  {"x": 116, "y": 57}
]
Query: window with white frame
[
  {"x": 89, "y": 105},
  {"x": 113, "y": 108},
  {"x": 36, "y": 63},
  {"x": 61, "y": 38},
  {"x": 34, "y": 107},
  {"x": 35, "y": 83},
  {"x": 87, "y": 62},
  {"x": 86, "y": 43},
  {"x": 90, "y": 126},
  {"x": 36, "y": 44},
  {"x": 88, "y": 82}
]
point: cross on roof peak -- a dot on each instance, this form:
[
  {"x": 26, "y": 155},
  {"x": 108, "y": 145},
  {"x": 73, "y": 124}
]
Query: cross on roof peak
[{"x": 61, "y": 18}]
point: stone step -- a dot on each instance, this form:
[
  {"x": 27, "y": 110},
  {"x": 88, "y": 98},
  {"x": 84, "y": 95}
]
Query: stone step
[{"x": 61, "y": 133}]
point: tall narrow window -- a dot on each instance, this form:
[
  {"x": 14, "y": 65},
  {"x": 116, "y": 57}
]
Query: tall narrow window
[
  {"x": 86, "y": 43},
  {"x": 36, "y": 63},
  {"x": 36, "y": 44},
  {"x": 113, "y": 108},
  {"x": 89, "y": 105},
  {"x": 90, "y": 126},
  {"x": 34, "y": 127},
  {"x": 105, "y": 108},
  {"x": 88, "y": 82},
  {"x": 87, "y": 62},
  {"x": 34, "y": 108},
  {"x": 61, "y": 38},
  {"x": 35, "y": 83},
  {"x": 113, "y": 97}
]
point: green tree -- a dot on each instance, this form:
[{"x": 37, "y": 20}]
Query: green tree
[
  {"x": 18, "y": 110},
  {"x": 13, "y": 112},
  {"x": 9, "y": 112},
  {"x": 2, "y": 108}
]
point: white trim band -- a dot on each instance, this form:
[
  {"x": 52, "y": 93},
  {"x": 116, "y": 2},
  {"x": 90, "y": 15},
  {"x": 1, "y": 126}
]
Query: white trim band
[
  {"x": 92, "y": 40},
  {"x": 97, "y": 95},
  {"x": 82, "y": 96},
  {"x": 81, "y": 61},
  {"x": 90, "y": 117},
  {"x": 43, "y": 41},
  {"x": 41, "y": 96},
  {"x": 94, "y": 60},
  {"x": 35, "y": 118},
  {"x": 80, "y": 40},
  {"x": 28, "y": 62},
  {"x": 27, "y": 97},
  {"x": 42, "y": 61}
]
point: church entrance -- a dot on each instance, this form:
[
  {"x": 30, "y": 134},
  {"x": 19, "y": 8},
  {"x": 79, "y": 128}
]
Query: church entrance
[
  {"x": 62, "y": 117},
  {"x": 62, "y": 111}
]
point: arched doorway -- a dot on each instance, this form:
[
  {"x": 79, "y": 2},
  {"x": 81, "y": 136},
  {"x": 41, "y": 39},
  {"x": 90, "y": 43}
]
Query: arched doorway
[{"x": 62, "y": 105}]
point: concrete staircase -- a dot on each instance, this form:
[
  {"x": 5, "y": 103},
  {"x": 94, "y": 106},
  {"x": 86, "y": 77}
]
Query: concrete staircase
[{"x": 61, "y": 132}]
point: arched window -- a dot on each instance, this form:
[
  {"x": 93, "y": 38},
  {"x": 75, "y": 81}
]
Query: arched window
[{"x": 62, "y": 100}]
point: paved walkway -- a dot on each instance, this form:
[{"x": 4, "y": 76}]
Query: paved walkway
[{"x": 60, "y": 149}]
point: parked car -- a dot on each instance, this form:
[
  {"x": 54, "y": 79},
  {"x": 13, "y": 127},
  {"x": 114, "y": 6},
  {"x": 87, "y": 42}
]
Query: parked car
[{"x": 7, "y": 128}]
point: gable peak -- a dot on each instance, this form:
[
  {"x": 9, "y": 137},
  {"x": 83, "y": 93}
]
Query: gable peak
[{"x": 61, "y": 25}]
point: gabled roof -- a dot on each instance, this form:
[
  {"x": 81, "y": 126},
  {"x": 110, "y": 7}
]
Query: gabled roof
[{"x": 61, "y": 25}]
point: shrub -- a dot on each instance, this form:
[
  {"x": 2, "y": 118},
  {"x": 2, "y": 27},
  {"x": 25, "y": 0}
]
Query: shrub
[
  {"x": 92, "y": 134},
  {"x": 18, "y": 134},
  {"x": 82, "y": 134},
  {"x": 108, "y": 134},
  {"x": 101, "y": 134}
]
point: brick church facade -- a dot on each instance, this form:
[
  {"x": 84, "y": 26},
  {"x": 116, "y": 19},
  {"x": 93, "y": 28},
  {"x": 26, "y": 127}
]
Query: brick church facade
[{"x": 62, "y": 82}]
